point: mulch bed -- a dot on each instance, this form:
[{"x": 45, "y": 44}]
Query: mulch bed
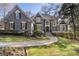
[{"x": 12, "y": 51}]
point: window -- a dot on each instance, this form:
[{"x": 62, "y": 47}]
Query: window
[
  {"x": 18, "y": 14},
  {"x": 63, "y": 28},
  {"x": 23, "y": 25},
  {"x": 54, "y": 23},
  {"x": 12, "y": 25},
  {"x": 38, "y": 19},
  {"x": 39, "y": 27},
  {"x": 47, "y": 23}
]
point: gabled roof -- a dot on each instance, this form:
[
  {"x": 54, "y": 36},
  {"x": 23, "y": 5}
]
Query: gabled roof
[
  {"x": 45, "y": 16},
  {"x": 38, "y": 15},
  {"x": 62, "y": 22},
  {"x": 13, "y": 9}
]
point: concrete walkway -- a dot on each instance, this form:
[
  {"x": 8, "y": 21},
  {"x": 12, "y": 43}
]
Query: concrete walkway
[{"x": 51, "y": 40}]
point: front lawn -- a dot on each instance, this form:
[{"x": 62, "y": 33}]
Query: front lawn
[
  {"x": 10, "y": 38},
  {"x": 64, "y": 47}
]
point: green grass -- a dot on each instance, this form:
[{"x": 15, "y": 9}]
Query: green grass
[
  {"x": 64, "y": 47},
  {"x": 9, "y": 38}
]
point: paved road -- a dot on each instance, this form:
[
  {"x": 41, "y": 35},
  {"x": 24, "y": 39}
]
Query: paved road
[{"x": 51, "y": 40}]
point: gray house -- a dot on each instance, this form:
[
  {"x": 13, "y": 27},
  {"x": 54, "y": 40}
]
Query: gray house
[
  {"x": 17, "y": 21},
  {"x": 47, "y": 23}
]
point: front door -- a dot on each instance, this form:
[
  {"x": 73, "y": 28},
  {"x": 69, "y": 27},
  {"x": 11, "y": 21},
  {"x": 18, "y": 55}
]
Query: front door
[{"x": 47, "y": 29}]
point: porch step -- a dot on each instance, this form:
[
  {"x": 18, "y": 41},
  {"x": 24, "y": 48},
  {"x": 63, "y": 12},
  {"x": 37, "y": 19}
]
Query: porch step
[{"x": 48, "y": 34}]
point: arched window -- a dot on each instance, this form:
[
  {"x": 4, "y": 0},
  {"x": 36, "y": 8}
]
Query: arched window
[
  {"x": 47, "y": 23},
  {"x": 17, "y": 14}
]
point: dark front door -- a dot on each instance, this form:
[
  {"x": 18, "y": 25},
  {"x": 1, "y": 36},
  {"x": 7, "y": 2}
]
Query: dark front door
[{"x": 47, "y": 29}]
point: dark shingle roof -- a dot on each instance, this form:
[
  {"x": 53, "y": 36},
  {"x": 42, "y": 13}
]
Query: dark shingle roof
[
  {"x": 46, "y": 16},
  {"x": 38, "y": 15},
  {"x": 62, "y": 22},
  {"x": 15, "y": 8}
]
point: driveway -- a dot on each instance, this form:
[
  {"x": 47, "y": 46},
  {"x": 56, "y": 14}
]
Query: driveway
[{"x": 51, "y": 40}]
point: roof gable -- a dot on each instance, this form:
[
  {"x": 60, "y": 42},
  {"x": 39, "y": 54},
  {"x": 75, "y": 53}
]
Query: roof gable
[
  {"x": 13, "y": 10},
  {"x": 62, "y": 22},
  {"x": 38, "y": 15},
  {"x": 46, "y": 16}
]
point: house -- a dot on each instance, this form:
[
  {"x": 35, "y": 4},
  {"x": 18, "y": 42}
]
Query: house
[
  {"x": 2, "y": 25},
  {"x": 63, "y": 26},
  {"x": 47, "y": 23},
  {"x": 17, "y": 21}
]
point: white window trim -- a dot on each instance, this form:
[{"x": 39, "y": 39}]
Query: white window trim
[
  {"x": 17, "y": 12},
  {"x": 38, "y": 19},
  {"x": 23, "y": 22},
  {"x": 48, "y": 23},
  {"x": 23, "y": 25},
  {"x": 54, "y": 23},
  {"x": 11, "y": 22},
  {"x": 11, "y": 28}
]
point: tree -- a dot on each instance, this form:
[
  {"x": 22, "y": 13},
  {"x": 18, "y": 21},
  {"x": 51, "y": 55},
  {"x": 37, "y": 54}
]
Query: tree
[
  {"x": 51, "y": 9},
  {"x": 70, "y": 11},
  {"x": 5, "y": 8},
  {"x": 29, "y": 13}
]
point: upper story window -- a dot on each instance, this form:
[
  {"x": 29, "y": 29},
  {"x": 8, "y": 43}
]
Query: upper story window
[
  {"x": 47, "y": 23},
  {"x": 54, "y": 23},
  {"x": 17, "y": 14},
  {"x": 38, "y": 19}
]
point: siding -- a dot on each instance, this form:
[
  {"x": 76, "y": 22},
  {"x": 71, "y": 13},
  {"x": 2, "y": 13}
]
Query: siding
[{"x": 17, "y": 22}]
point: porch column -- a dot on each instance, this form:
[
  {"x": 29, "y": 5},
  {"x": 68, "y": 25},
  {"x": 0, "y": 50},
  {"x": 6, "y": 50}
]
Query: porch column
[
  {"x": 32, "y": 27},
  {"x": 44, "y": 25},
  {"x": 50, "y": 26}
]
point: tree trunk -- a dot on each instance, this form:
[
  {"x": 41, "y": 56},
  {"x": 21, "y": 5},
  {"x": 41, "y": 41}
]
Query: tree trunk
[
  {"x": 25, "y": 51},
  {"x": 73, "y": 22}
]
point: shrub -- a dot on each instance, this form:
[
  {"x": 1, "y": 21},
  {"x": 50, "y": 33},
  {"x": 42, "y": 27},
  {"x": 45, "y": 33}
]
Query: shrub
[
  {"x": 66, "y": 35},
  {"x": 37, "y": 31}
]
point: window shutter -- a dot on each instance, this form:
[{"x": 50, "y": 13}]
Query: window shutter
[
  {"x": 21, "y": 26},
  {"x": 13, "y": 25},
  {"x": 25, "y": 25},
  {"x": 19, "y": 15},
  {"x": 14, "y": 15}
]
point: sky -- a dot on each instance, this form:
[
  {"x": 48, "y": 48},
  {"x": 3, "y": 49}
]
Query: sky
[{"x": 33, "y": 7}]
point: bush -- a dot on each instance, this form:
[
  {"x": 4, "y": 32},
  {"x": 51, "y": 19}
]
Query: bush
[
  {"x": 37, "y": 31},
  {"x": 66, "y": 35}
]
